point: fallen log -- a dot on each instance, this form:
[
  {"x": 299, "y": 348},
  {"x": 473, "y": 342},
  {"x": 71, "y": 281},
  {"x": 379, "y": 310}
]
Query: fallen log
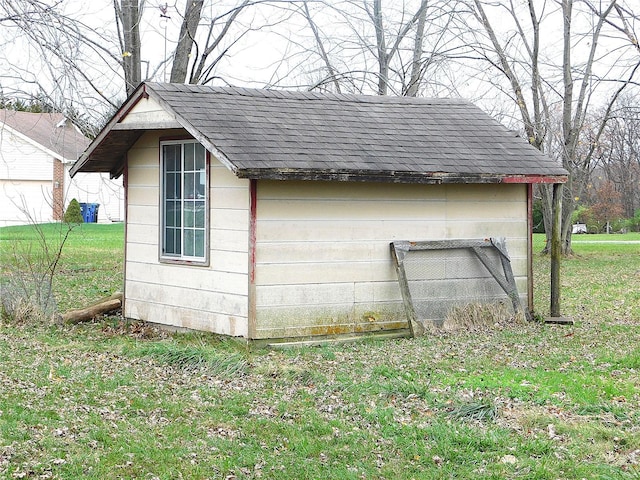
[{"x": 102, "y": 306}]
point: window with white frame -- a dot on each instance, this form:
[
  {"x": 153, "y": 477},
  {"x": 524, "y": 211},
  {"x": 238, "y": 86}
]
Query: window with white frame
[{"x": 184, "y": 204}]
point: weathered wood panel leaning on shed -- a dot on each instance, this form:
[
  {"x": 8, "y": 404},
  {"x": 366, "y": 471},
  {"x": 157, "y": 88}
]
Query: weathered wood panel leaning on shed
[{"x": 304, "y": 193}]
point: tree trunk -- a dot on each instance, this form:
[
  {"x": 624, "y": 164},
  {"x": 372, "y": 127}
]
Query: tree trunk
[
  {"x": 332, "y": 76},
  {"x": 130, "y": 17},
  {"x": 200, "y": 73},
  {"x": 103, "y": 306},
  {"x": 381, "y": 47},
  {"x": 416, "y": 64},
  {"x": 188, "y": 29}
]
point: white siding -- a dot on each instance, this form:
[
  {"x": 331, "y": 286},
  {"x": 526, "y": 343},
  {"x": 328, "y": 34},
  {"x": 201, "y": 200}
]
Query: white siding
[
  {"x": 323, "y": 263},
  {"x": 26, "y": 178},
  {"x": 22, "y": 160},
  {"x": 26, "y": 175},
  {"x": 17, "y": 196},
  {"x": 212, "y": 298}
]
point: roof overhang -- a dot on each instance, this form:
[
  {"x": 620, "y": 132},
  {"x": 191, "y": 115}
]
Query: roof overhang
[
  {"x": 429, "y": 178},
  {"x": 108, "y": 151}
]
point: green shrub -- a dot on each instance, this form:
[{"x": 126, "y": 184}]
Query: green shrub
[
  {"x": 73, "y": 213},
  {"x": 633, "y": 223},
  {"x": 538, "y": 218}
]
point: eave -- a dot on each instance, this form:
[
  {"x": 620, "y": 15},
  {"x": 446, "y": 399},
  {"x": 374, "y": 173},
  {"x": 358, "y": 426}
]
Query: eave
[
  {"x": 427, "y": 178},
  {"x": 108, "y": 151}
]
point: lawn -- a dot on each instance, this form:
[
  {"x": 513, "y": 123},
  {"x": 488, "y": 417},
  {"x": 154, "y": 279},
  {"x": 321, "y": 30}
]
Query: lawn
[{"x": 111, "y": 400}]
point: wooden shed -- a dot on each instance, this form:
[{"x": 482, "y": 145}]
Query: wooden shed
[{"x": 269, "y": 214}]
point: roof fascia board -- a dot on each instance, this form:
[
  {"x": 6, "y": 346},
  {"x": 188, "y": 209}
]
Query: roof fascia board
[
  {"x": 394, "y": 177},
  {"x": 195, "y": 133},
  {"x": 535, "y": 179},
  {"x": 31, "y": 141}
]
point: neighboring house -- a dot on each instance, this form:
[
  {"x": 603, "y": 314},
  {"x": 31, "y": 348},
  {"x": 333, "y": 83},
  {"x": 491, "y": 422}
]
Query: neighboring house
[
  {"x": 269, "y": 214},
  {"x": 36, "y": 152}
]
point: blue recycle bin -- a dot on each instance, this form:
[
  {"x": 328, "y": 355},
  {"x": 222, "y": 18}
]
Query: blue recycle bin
[
  {"x": 84, "y": 212},
  {"x": 93, "y": 212},
  {"x": 89, "y": 212}
]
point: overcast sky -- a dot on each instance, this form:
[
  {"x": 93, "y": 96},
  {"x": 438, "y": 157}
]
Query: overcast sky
[{"x": 262, "y": 58}]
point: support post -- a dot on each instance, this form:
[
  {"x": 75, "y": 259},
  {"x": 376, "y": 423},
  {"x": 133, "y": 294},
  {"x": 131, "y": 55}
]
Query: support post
[
  {"x": 556, "y": 255},
  {"x": 556, "y": 250}
]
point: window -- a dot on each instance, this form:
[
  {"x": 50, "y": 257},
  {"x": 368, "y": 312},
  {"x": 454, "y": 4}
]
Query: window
[{"x": 184, "y": 201}]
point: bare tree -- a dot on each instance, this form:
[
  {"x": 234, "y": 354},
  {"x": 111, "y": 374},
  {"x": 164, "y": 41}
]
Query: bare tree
[
  {"x": 128, "y": 14},
  {"x": 29, "y": 269},
  {"x": 191, "y": 19},
  {"x": 46, "y": 53},
  {"x": 417, "y": 64},
  {"x": 517, "y": 55},
  {"x": 331, "y": 70},
  {"x": 369, "y": 46},
  {"x": 83, "y": 68},
  {"x": 618, "y": 154},
  {"x": 218, "y": 30}
]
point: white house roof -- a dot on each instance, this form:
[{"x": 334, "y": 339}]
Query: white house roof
[
  {"x": 305, "y": 135},
  {"x": 49, "y": 131}
]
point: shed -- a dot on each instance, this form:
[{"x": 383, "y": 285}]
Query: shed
[
  {"x": 37, "y": 150},
  {"x": 268, "y": 214}
]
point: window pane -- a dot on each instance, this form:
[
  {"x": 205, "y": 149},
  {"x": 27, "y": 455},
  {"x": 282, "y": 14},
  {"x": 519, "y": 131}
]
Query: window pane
[
  {"x": 171, "y": 154},
  {"x": 201, "y": 184},
  {"x": 178, "y": 185},
  {"x": 189, "y": 185},
  {"x": 176, "y": 241},
  {"x": 168, "y": 240},
  {"x": 188, "y": 157},
  {"x": 199, "y": 243},
  {"x": 172, "y": 241},
  {"x": 169, "y": 214},
  {"x": 188, "y": 243},
  {"x": 189, "y": 214},
  {"x": 170, "y": 185},
  {"x": 199, "y": 214},
  {"x": 201, "y": 157},
  {"x": 201, "y": 180}
]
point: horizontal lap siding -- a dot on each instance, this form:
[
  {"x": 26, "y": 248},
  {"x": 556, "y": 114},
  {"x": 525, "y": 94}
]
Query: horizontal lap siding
[
  {"x": 22, "y": 160},
  {"x": 26, "y": 181},
  {"x": 23, "y": 202},
  {"x": 212, "y": 298},
  {"x": 323, "y": 262}
]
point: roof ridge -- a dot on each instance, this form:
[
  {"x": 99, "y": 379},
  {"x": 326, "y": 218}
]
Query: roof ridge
[{"x": 305, "y": 94}]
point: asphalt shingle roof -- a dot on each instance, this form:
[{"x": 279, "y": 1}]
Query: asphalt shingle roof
[
  {"x": 284, "y": 134},
  {"x": 49, "y": 130}
]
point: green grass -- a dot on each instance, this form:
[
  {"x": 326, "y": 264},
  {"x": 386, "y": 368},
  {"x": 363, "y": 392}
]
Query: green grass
[
  {"x": 114, "y": 400},
  {"x": 91, "y": 262}
]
